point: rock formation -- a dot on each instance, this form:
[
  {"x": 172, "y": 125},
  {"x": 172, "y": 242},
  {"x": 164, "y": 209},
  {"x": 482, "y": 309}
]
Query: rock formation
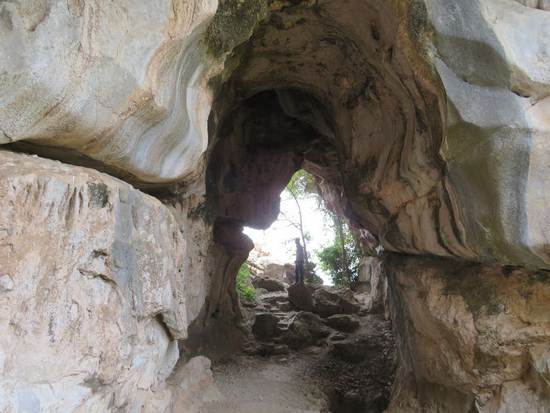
[
  {"x": 350, "y": 357},
  {"x": 138, "y": 138},
  {"x": 93, "y": 290}
]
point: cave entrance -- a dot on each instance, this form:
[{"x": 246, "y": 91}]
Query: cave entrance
[
  {"x": 318, "y": 340},
  {"x": 304, "y": 216}
]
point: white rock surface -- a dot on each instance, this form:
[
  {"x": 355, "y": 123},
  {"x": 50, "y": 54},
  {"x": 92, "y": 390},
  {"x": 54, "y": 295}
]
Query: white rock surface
[
  {"x": 94, "y": 299},
  {"x": 6, "y": 283},
  {"x": 123, "y": 82},
  {"x": 492, "y": 56}
]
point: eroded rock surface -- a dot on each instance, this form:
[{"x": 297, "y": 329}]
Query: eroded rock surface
[
  {"x": 349, "y": 358},
  {"x": 268, "y": 284},
  {"x": 426, "y": 123},
  {"x": 472, "y": 336},
  {"x": 124, "y": 83},
  {"x": 91, "y": 291}
]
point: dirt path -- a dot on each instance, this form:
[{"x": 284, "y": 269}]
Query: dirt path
[
  {"x": 339, "y": 359},
  {"x": 267, "y": 385}
]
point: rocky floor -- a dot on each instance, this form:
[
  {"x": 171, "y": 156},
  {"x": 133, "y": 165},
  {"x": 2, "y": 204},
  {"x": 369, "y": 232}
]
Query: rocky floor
[
  {"x": 277, "y": 384},
  {"x": 308, "y": 350}
]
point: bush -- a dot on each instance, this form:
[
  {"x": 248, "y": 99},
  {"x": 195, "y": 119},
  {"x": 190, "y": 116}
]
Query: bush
[
  {"x": 331, "y": 261},
  {"x": 244, "y": 285}
]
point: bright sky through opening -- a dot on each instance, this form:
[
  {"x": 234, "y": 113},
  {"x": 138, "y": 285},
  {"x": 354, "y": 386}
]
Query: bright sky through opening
[{"x": 278, "y": 240}]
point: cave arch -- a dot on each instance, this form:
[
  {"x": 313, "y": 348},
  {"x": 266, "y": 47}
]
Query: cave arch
[
  {"x": 346, "y": 95},
  {"x": 357, "y": 79}
]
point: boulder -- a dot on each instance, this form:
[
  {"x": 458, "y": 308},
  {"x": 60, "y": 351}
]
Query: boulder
[
  {"x": 301, "y": 297},
  {"x": 265, "y": 326},
  {"x": 326, "y": 303},
  {"x": 268, "y": 284},
  {"x": 304, "y": 330},
  {"x": 343, "y": 322},
  {"x": 279, "y": 272}
]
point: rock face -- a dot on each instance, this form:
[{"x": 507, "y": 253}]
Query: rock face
[
  {"x": 130, "y": 87},
  {"x": 268, "y": 284},
  {"x": 106, "y": 86},
  {"x": 373, "y": 285},
  {"x": 471, "y": 335},
  {"x": 83, "y": 253},
  {"x": 426, "y": 123},
  {"x": 483, "y": 64}
]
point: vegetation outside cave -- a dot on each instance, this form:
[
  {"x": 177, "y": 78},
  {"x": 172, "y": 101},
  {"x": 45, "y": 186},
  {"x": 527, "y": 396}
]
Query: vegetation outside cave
[{"x": 331, "y": 251}]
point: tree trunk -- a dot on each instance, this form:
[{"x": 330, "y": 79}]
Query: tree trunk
[
  {"x": 301, "y": 229},
  {"x": 343, "y": 253}
]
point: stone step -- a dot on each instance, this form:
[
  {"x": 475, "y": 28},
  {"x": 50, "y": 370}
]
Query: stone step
[{"x": 284, "y": 314}]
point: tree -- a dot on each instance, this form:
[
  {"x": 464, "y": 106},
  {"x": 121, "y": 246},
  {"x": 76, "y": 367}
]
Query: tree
[
  {"x": 341, "y": 260},
  {"x": 299, "y": 188}
]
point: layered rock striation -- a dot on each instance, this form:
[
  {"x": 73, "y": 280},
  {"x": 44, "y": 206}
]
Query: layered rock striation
[{"x": 426, "y": 124}]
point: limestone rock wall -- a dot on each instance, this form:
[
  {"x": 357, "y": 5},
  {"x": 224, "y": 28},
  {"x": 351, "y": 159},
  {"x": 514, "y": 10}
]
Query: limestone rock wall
[
  {"x": 492, "y": 57},
  {"x": 473, "y": 337},
  {"x": 437, "y": 110},
  {"x": 92, "y": 291},
  {"x": 122, "y": 82},
  {"x": 434, "y": 115},
  {"x": 428, "y": 117}
]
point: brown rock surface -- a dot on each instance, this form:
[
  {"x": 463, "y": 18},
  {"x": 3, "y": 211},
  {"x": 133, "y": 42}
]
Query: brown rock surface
[
  {"x": 470, "y": 334},
  {"x": 268, "y": 284}
]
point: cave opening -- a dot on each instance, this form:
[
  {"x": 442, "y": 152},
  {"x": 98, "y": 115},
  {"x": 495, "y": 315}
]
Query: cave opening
[
  {"x": 340, "y": 93},
  {"x": 138, "y": 139},
  {"x": 258, "y": 147}
]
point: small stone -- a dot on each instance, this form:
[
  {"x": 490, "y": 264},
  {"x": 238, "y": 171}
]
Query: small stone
[
  {"x": 6, "y": 283},
  {"x": 338, "y": 337}
]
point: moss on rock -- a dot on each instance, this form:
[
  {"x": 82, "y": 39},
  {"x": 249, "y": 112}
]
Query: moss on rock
[
  {"x": 233, "y": 24},
  {"x": 418, "y": 18}
]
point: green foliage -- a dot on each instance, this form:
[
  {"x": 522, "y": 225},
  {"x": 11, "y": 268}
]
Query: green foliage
[
  {"x": 302, "y": 185},
  {"x": 341, "y": 259},
  {"x": 244, "y": 286}
]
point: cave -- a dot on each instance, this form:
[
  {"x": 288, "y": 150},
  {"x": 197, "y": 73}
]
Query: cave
[{"x": 137, "y": 141}]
